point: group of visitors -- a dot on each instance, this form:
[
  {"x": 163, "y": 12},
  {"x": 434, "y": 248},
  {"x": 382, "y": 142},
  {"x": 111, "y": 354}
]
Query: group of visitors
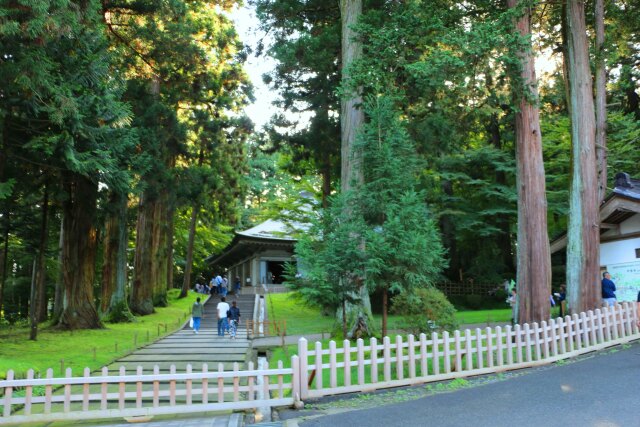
[
  {"x": 608, "y": 293},
  {"x": 219, "y": 285},
  {"x": 228, "y": 317}
]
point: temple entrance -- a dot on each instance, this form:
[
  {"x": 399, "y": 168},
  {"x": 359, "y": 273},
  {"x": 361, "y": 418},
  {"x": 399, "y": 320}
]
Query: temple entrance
[{"x": 275, "y": 272}]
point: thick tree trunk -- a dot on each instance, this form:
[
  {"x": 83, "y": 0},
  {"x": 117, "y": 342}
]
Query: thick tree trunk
[
  {"x": 114, "y": 269},
  {"x": 4, "y": 252},
  {"x": 533, "y": 254},
  {"x": 601, "y": 102},
  {"x": 41, "y": 266},
  {"x": 583, "y": 236},
  {"x": 58, "y": 298},
  {"x": 161, "y": 249},
  {"x": 141, "y": 299},
  {"x": 186, "y": 283},
  {"x": 351, "y": 120},
  {"x": 170, "y": 236},
  {"x": 33, "y": 305},
  {"x": 79, "y": 253},
  {"x": 351, "y": 113}
]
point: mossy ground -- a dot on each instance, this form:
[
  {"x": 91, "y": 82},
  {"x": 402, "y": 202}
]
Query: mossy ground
[{"x": 87, "y": 348}]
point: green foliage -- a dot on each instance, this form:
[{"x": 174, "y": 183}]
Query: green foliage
[
  {"x": 425, "y": 310},
  {"x": 401, "y": 242}
]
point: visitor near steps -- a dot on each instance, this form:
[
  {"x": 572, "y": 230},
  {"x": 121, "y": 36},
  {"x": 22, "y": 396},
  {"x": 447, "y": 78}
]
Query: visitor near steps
[
  {"x": 223, "y": 325},
  {"x": 234, "y": 318},
  {"x": 608, "y": 290},
  {"x": 196, "y": 314}
]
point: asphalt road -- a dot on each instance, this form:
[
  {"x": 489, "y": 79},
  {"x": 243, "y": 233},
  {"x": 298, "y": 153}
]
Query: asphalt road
[{"x": 602, "y": 390}]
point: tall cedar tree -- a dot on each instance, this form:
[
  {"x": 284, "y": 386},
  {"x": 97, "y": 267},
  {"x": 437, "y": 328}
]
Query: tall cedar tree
[
  {"x": 583, "y": 236},
  {"x": 534, "y": 259},
  {"x": 402, "y": 245}
]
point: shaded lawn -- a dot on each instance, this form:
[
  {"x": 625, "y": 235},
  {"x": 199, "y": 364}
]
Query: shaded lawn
[
  {"x": 302, "y": 319},
  {"x": 76, "y": 348}
]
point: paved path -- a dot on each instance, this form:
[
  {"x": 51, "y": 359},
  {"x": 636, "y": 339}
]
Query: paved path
[{"x": 599, "y": 390}]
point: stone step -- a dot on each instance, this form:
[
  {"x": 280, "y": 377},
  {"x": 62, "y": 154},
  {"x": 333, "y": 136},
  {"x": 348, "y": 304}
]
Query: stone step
[
  {"x": 164, "y": 367},
  {"x": 193, "y": 358}
]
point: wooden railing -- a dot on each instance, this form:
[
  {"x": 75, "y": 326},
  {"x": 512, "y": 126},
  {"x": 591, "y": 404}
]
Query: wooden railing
[
  {"x": 144, "y": 394},
  {"x": 315, "y": 372},
  {"x": 333, "y": 370}
]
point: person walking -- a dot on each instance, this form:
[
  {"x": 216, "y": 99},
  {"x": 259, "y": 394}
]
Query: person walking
[
  {"x": 197, "y": 313},
  {"x": 236, "y": 286},
  {"x": 513, "y": 302},
  {"x": 608, "y": 290},
  {"x": 224, "y": 286},
  {"x": 234, "y": 319},
  {"x": 223, "y": 309}
]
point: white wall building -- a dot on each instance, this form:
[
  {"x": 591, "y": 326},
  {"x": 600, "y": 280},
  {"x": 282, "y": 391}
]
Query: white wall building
[{"x": 619, "y": 237}]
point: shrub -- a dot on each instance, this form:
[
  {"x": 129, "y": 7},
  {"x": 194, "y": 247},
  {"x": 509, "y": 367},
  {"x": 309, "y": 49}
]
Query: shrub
[{"x": 426, "y": 310}]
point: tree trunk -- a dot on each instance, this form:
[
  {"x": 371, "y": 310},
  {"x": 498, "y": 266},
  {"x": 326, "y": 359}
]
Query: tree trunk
[
  {"x": 385, "y": 310},
  {"x": 533, "y": 254},
  {"x": 79, "y": 253},
  {"x": 58, "y": 299},
  {"x": 170, "y": 236},
  {"x": 114, "y": 269},
  {"x": 583, "y": 236},
  {"x": 601, "y": 102},
  {"x": 186, "y": 283},
  {"x": 41, "y": 266},
  {"x": 351, "y": 115},
  {"x": 33, "y": 305},
  {"x": 3, "y": 268},
  {"x": 351, "y": 120},
  {"x": 161, "y": 249},
  {"x": 141, "y": 299}
]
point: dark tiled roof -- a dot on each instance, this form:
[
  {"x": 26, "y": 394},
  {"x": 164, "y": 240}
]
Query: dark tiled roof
[{"x": 627, "y": 186}]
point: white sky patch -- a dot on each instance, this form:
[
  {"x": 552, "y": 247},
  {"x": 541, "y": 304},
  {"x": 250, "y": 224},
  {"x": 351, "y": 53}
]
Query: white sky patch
[{"x": 246, "y": 24}]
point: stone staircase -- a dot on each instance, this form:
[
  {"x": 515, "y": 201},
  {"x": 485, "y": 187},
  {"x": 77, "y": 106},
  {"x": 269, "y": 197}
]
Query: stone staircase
[{"x": 184, "y": 347}]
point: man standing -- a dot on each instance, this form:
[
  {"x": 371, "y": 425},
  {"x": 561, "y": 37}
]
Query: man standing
[
  {"x": 234, "y": 318},
  {"x": 608, "y": 290},
  {"x": 196, "y": 314},
  {"x": 223, "y": 308}
]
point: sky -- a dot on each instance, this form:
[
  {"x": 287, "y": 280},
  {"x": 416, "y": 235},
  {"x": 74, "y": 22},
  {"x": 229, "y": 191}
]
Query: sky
[
  {"x": 262, "y": 109},
  {"x": 247, "y": 26}
]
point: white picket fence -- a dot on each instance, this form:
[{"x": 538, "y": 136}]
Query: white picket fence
[
  {"x": 314, "y": 372},
  {"x": 329, "y": 371},
  {"x": 139, "y": 395}
]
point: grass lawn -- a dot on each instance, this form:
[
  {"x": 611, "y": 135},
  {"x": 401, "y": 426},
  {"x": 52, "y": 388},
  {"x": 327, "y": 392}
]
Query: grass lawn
[
  {"x": 87, "y": 348},
  {"x": 302, "y": 319}
]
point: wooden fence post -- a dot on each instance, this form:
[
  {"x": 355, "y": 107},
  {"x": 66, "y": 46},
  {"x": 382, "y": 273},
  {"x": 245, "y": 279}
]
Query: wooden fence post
[
  {"x": 295, "y": 380},
  {"x": 399, "y": 358},
  {"x": 8, "y": 394},
  {"x": 373, "y": 355},
  {"x": 360, "y": 357},
  {"x": 319, "y": 360},
  {"x": 346, "y": 353},
  {"x": 304, "y": 368}
]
